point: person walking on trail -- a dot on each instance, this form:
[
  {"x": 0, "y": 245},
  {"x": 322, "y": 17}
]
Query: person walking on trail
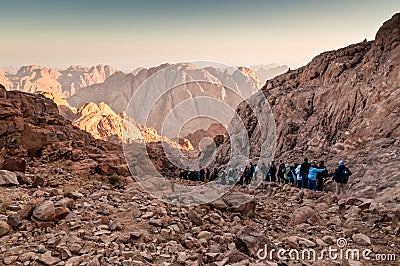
[
  {"x": 312, "y": 176},
  {"x": 256, "y": 170},
  {"x": 202, "y": 175},
  {"x": 252, "y": 171},
  {"x": 298, "y": 176},
  {"x": 272, "y": 172},
  {"x": 247, "y": 175},
  {"x": 223, "y": 177},
  {"x": 341, "y": 177},
  {"x": 241, "y": 176},
  {"x": 208, "y": 173},
  {"x": 305, "y": 167},
  {"x": 287, "y": 174},
  {"x": 321, "y": 176},
  {"x": 281, "y": 172},
  {"x": 263, "y": 170},
  {"x": 293, "y": 175}
]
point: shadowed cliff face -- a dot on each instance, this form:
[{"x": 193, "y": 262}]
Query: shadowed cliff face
[
  {"x": 344, "y": 104},
  {"x": 32, "y": 130}
]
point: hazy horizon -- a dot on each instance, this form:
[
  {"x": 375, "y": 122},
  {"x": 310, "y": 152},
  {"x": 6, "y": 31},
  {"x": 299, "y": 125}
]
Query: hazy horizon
[{"x": 131, "y": 34}]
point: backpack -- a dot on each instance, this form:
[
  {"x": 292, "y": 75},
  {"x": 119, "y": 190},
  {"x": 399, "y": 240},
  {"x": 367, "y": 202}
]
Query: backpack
[{"x": 343, "y": 175}]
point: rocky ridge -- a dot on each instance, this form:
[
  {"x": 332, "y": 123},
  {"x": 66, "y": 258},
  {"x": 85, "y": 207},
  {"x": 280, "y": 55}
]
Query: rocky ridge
[
  {"x": 34, "y": 78},
  {"x": 343, "y": 105},
  {"x": 33, "y": 133},
  {"x": 103, "y": 123}
]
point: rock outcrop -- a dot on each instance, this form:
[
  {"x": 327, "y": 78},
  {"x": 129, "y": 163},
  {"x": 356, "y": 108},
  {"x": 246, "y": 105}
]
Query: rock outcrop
[
  {"x": 343, "y": 105},
  {"x": 213, "y": 130},
  {"x": 103, "y": 123}
]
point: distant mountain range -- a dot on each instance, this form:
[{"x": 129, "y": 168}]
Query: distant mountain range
[
  {"x": 267, "y": 72},
  {"x": 94, "y": 98},
  {"x": 66, "y": 82}
]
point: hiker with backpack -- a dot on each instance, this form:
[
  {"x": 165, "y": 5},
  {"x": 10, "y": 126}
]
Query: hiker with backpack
[
  {"x": 305, "y": 167},
  {"x": 299, "y": 177},
  {"x": 271, "y": 176},
  {"x": 281, "y": 172},
  {"x": 312, "y": 176},
  {"x": 341, "y": 177},
  {"x": 321, "y": 176}
]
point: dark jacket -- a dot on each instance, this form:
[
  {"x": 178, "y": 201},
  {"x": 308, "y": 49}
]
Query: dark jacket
[
  {"x": 282, "y": 168},
  {"x": 272, "y": 170},
  {"x": 305, "y": 167},
  {"x": 342, "y": 174}
]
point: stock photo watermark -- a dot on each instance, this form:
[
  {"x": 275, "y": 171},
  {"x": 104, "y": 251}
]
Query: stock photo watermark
[{"x": 339, "y": 252}]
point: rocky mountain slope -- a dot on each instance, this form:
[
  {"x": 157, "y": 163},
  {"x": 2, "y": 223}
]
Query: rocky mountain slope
[
  {"x": 117, "y": 90},
  {"x": 32, "y": 133},
  {"x": 103, "y": 123},
  {"x": 176, "y": 84},
  {"x": 103, "y": 84},
  {"x": 33, "y": 78},
  {"x": 343, "y": 105}
]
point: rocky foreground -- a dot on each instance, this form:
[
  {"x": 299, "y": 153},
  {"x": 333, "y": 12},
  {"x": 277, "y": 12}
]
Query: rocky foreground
[{"x": 95, "y": 223}]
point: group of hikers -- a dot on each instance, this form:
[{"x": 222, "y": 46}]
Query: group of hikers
[{"x": 307, "y": 175}]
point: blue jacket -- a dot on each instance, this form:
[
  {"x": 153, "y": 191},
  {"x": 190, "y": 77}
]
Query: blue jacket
[{"x": 312, "y": 173}]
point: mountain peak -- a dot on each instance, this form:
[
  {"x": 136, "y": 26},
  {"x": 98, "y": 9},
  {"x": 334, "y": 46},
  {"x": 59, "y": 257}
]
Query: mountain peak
[{"x": 388, "y": 36}]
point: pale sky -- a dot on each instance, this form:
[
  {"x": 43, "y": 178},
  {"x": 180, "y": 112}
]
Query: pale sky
[{"x": 130, "y": 34}]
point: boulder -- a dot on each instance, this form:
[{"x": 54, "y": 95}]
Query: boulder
[
  {"x": 27, "y": 210},
  {"x": 66, "y": 202},
  {"x": 250, "y": 241},
  {"x": 195, "y": 218},
  {"x": 8, "y": 178},
  {"x": 14, "y": 220},
  {"x": 45, "y": 211},
  {"x": 4, "y": 228},
  {"x": 242, "y": 203},
  {"x": 361, "y": 239},
  {"x": 303, "y": 215},
  {"x": 48, "y": 259},
  {"x": 61, "y": 212},
  {"x": 14, "y": 165}
]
